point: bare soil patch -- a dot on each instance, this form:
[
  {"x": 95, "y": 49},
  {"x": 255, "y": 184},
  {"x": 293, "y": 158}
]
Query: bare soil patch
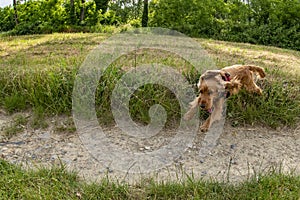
[{"x": 240, "y": 152}]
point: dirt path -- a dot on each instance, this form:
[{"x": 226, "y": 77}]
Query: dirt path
[{"x": 239, "y": 153}]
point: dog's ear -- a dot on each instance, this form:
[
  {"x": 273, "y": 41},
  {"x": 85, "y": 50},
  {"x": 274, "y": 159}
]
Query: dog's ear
[
  {"x": 199, "y": 82},
  {"x": 202, "y": 78},
  {"x": 208, "y": 75},
  {"x": 211, "y": 73},
  {"x": 233, "y": 86}
]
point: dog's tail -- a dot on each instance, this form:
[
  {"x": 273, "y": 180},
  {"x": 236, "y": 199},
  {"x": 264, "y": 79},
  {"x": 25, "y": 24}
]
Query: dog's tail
[{"x": 258, "y": 70}]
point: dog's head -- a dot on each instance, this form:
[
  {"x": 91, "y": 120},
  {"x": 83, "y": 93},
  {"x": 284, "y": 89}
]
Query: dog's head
[{"x": 212, "y": 86}]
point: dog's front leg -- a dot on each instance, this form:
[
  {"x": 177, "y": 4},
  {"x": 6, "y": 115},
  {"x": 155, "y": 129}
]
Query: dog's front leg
[
  {"x": 206, "y": 125},
  {"x": 214, "y": 116}
]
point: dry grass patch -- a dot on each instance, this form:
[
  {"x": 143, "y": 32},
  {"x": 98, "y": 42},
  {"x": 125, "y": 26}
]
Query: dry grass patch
[{"x": 271, "y": 57}]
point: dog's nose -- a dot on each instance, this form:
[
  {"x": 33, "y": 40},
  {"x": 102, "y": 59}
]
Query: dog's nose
[{"x": 202, "y": 105}]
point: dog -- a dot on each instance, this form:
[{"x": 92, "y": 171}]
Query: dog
[{"x": 216, "y": 85}]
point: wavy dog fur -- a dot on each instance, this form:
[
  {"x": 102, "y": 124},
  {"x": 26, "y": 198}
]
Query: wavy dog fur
[{"x": 216, "y": 85}]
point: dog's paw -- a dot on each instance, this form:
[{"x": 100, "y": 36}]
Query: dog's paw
[
  {"x": 187, "y": 116},
  {"x": 204, "y": 128},
  {"x": 258, "y": 91}
]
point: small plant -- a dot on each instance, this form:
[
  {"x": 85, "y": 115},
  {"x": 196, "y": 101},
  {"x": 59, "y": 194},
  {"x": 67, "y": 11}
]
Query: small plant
[
  {"x": 65, "y": 125},
  {"x": 15, "y": 102},
  {"x": 38, "y": 119},
  {"x": 17, "y": 125}
]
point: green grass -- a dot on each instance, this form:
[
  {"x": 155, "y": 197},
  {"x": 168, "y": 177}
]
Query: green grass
[
  {"x": 38, "y": 72},
  {"x": 57, "y": 183}
]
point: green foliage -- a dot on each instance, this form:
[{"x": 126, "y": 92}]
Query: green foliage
[
  {"x": 266, "y": 186},
  {"x": 104, "y": 90},
  {"x": 135, "y": 23},
  {"x": 195, "y": 18},
  {"x": 101, "y": 5},
  {"x": 7, "y": 21},
  {"x": 54, "y": 183},
  {"x": 127, "y": 10},
  {"x": 40, "y": 16},
  {"x": 38, "y": 119},
  {"x": 267, "y": 22}
]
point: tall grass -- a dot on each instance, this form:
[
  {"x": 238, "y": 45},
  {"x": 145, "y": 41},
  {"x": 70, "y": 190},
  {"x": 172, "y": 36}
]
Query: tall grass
[
  {"x": 279, "y": 105},
  {"x": 50, "y": 89},
  {"x": 42, "y": 78}
]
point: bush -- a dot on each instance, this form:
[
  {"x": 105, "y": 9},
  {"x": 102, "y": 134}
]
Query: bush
[{"x": 7, "y": 21}]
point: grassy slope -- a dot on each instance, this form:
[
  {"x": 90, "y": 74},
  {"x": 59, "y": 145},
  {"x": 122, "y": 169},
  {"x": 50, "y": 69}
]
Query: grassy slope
[{"x": 38, "y": 71}]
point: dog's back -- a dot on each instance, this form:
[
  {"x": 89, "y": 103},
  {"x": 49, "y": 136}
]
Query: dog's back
[
  {"x": 238, "y": 70},
  {"x": 244, "y": 74}
]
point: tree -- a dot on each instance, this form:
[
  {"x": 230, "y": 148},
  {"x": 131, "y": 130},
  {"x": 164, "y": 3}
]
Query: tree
[
  {"x": 101, "y": 4},
  {"x": 145, "y": 14},
  {"x": 261, "y": 9}
]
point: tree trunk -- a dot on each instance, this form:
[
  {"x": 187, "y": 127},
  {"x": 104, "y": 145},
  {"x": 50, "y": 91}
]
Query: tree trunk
[
  {"x": 16, "y": 11},
  {"x": 82, "y": 11},
  {"x": 145, "y": 14},
  {"x": 72, "y": 12}
]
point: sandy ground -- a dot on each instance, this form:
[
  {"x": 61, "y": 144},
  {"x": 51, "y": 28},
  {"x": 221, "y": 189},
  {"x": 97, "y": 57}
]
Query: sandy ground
[{"x": 239, "y": 153}]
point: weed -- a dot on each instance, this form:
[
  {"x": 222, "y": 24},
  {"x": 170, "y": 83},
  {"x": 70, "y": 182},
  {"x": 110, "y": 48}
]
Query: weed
[
  {"x": 15, "y": 126},
  {"x": 38, "y": 119},
  {"x": 66, "y": 125}
]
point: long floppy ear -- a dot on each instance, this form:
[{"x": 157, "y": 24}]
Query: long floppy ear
[
  {"x": 233, "y": 86},
  {"x": 199, "y": 82},
  {"x": 211, "y": 73}
]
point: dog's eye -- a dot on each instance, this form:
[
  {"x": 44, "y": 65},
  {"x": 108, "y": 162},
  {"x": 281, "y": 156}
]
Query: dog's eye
[
  {"x": 210, "y": 92},
  {"x": 201, "y": 91}
]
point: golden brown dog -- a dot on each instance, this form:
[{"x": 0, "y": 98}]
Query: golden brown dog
[{"x": 216, "y": 85}]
